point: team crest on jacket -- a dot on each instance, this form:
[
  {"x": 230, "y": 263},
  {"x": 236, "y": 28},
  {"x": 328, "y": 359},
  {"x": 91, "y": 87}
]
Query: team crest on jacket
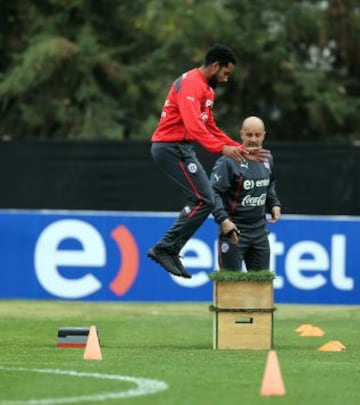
[
  {"x": 192, "y": 167},
  {"x": 224, "y": 247}
]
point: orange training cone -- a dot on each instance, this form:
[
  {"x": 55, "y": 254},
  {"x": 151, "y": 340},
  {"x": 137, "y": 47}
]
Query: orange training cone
[
  {"x": 332, "y": 346},
  {"x": 343, "y": 347},
  {"x": 312, "y": 331},
  {"x": 303, "y": 327},
  {"x": 92, "y": 348},
  {"x": 272, "y": 382}
]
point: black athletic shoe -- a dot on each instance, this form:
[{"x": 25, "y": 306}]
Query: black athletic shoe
[
  {"x": 181, "y": 267},
  {"x": 165, "y": 260}
]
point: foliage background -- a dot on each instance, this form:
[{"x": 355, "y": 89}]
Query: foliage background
[{"x": 100, "y": 69}]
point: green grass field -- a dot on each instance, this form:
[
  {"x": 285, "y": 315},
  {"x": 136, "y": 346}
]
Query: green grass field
[{"x": 172, "y": 344}]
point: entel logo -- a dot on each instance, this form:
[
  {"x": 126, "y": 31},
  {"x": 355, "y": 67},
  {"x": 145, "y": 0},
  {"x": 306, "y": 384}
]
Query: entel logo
[
  {"x": 48, "y": 256},
  {"x": 306, "y": 263}
]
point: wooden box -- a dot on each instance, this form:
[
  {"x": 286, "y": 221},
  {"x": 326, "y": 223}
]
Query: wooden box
[
  {"x": 244, "y": 294},
  {"x": 243, "y": 315}
]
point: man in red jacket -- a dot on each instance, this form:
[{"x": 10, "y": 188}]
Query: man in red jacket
[{"x": 187, "y": 117}]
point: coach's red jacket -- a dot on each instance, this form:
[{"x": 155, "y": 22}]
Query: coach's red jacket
[{"x": 187, "y": 114}]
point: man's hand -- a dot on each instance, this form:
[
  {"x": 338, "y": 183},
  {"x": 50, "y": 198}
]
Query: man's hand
[
  {"x": 238, "y": 153},
  {"x": 241, "y": 153},
  {"x": 229, "y": 229},
  {"x": 257, "y": 154},
  {"x": 275, "y": 214}
]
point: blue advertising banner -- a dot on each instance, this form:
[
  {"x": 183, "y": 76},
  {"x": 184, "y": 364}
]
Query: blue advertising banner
[{"x": 101, "y": 256}]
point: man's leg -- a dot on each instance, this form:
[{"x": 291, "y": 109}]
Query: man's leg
[
  {"x": 258, "y": 256},
  {"x": 229, "y": 255},
  {"x": 179, "y": 162}
]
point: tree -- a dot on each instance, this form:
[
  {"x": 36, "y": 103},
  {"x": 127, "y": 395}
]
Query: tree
[
  {"x": 87, "y": 69},
  {"x": 293, "y": 72}
]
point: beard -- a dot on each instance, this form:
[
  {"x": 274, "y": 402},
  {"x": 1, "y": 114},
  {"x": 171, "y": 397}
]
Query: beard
[{"x": 213, "y": 82}]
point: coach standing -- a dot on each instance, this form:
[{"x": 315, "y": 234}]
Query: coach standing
[
  {"x": 244, "y": 193},
  {"x": 187, "y": 117}
]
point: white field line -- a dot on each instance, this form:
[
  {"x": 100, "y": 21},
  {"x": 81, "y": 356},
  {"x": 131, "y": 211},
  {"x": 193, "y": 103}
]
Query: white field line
[{"x": 144, "y": 386}]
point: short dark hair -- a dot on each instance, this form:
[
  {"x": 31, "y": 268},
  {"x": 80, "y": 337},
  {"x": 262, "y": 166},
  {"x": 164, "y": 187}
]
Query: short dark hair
[{"x": 222, "y": 54}]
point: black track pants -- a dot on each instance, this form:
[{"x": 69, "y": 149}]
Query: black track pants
[
  {"x": 179, "y": 162},
  {"x": 252, "y": 248}
]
